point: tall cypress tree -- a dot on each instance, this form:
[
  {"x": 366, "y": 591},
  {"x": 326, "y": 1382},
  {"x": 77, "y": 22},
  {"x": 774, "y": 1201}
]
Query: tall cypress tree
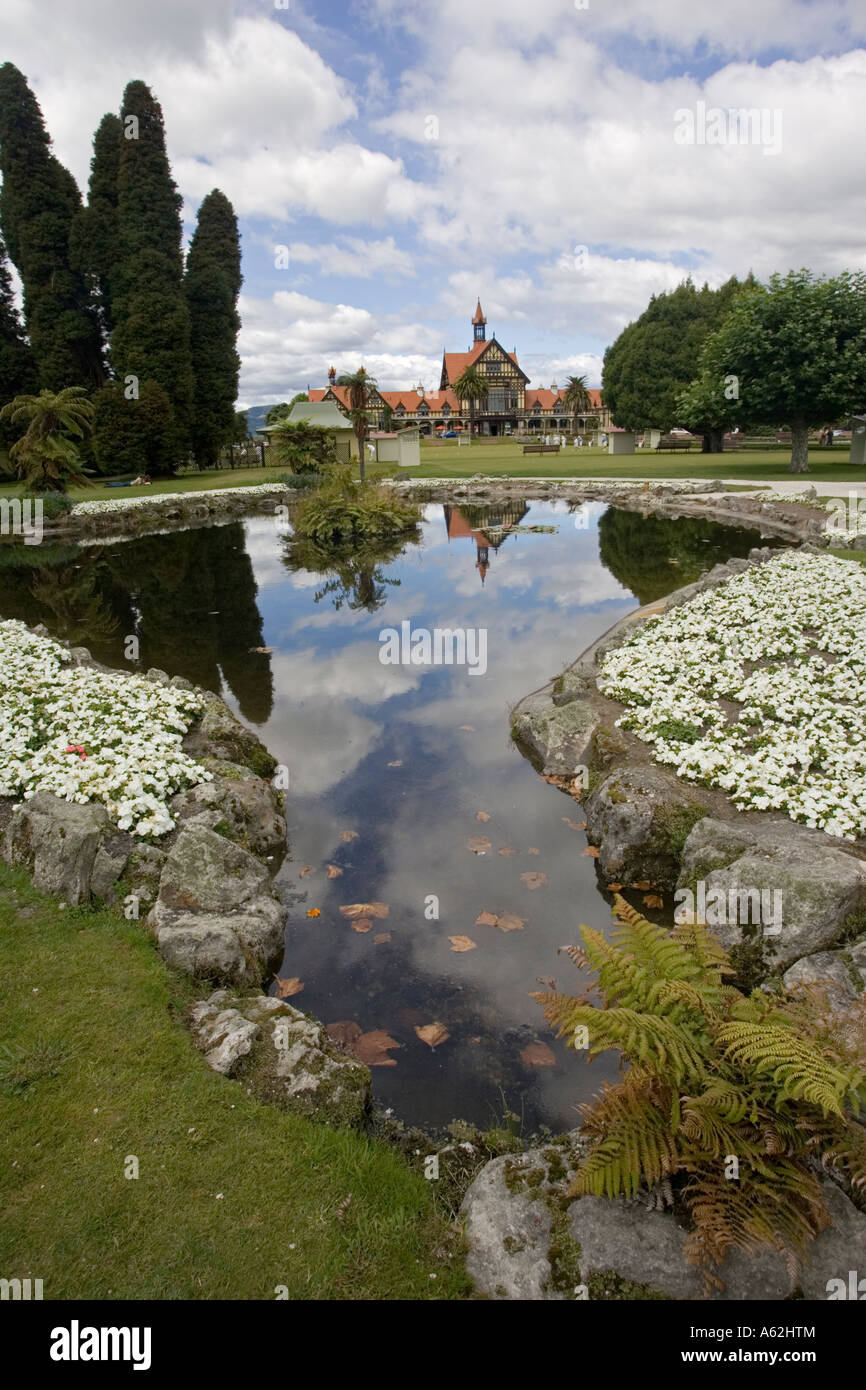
[
  {"x": 38, "y": 205},
  {"x": 17, "y": 368},
  {"x": 150, "y": 340},
  {"x": 93, "y": 242},
  {"x": 212, "y": 284}
]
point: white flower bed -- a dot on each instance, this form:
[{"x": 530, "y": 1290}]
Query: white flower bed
[
  {"x": 121, "y": 504},
  {"x": 128, "y": 730},
  {"x": 785, "y": 642}
]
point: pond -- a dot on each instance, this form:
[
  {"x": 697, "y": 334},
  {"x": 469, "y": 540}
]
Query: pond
[{"x": 395, "y": 768}]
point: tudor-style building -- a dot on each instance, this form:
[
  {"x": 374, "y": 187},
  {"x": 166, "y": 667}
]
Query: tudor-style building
[{"x": 511, "y": 406}]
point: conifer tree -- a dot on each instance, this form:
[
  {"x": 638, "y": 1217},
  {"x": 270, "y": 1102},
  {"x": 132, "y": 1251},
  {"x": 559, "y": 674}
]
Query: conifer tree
[
  {"x": 17, "y": 369},
  {"x": 93, "y": 244},
  {"x": 150, "y": 340},
  {"x": 212, "y": 284},
  {"x": 39, "y": 203}
]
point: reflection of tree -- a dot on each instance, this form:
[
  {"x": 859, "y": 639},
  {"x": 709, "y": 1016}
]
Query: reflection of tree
[
  {"x": 82, "y": 613},
  {"x": 653, "y": 555},
  {"x": 189, "y": 598},
  {"x": 69, "y": 590},
  {"x": 195, "y": 594},
  {"x": 353, "y": 576}
]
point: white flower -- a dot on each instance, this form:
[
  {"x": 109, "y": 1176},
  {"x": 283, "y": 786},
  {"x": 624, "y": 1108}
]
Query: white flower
[
  {"x": 89, "y": 735},
  {"x": 779, "y": 726}
]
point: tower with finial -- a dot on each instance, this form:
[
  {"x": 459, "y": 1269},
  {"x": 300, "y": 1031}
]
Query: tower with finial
[
  {"x": 479, "y": 325},
  {"x": 332, "y": 376}
]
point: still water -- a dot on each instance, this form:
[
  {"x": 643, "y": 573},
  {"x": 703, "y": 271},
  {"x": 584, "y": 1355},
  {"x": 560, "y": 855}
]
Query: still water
[{"x": 395, "y": 768}]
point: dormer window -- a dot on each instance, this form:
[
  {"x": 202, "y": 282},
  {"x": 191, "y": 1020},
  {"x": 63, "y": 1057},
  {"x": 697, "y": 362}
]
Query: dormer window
[
  {"x": 401, "y": 411},
  {"x": 423, "y": 408},
  {"x": 446, "y": 409}
]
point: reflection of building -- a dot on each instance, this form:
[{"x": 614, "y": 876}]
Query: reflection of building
[
  {"x": 491, "y": 530},
  {"x": 511, "y": 406}
]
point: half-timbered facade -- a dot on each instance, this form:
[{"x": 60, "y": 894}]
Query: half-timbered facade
[{"x": 510, "y": 407}]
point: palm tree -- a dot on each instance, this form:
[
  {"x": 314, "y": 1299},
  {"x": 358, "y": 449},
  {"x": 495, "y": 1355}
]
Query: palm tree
[
  {"x": 577, "y": 396},
  {"x": 360, "y": 387},
  {"x": 471, "y": 386},
  {"x": 47, "y": 458}
]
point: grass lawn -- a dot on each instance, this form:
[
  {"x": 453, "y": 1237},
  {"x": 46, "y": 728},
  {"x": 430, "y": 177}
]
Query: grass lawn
[
  {"x": 505, "y": 458},
  {"x": 96, "y": 1066}
]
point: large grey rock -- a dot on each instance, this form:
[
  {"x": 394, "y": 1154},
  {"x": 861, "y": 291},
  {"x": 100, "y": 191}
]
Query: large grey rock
[
  {"x": 216, "y": 914},
  {"x": 639, "y": 817},
  {"x": 838, "y": 1250},
  {"x": 823, "y": 888},
  {"x": 282, "y": 1056},
  {"x": 556, "y": 737},
  {"x": 647, "y": 1247},
  {"x": 58, "y": 841},
  {"x": 245, "y": 807},
  {"x": 109, "y": 864},
  {"x": 220, "y": 735},
  {"x": 514, "y": 1250},
  {"x": 826, "y": 971}
]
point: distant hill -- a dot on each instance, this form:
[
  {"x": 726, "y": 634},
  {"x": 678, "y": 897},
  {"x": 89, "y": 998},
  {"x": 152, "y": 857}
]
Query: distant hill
[{"x": 256, "y": 416}]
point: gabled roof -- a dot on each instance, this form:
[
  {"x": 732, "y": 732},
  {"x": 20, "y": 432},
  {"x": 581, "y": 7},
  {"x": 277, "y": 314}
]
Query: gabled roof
[
  {"x": 454, "y": 363},
  {"x": 323, "y": 413}
]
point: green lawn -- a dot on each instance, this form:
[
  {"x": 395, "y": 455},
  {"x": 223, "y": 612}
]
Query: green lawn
[
  {"x": 96, "y": 1066},
  {"x": 505, "y": 458}
]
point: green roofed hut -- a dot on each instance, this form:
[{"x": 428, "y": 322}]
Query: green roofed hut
[{"x": 326, "y": 415}]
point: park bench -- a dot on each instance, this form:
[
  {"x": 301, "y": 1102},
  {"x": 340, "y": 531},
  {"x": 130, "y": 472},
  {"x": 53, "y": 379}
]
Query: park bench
[
  {"x": 667, "y": 444},
  {"x": 541, "y": 448}
]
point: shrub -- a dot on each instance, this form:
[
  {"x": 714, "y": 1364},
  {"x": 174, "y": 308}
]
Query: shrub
[
  {"x": 56, "y": 504},
  {"x": 304, "y": 447},
  {"x": 345, "y": 509},
  {"x": 712, "y": 1073}
]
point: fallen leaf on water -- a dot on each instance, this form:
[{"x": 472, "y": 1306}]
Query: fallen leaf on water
[
  {"x": 509, "y": 922},
  {"x": 575, "y": 825},
  {"x": 592, "y": 851},
  {"x": 397, "y": 763},
  {"x": 533, "y": 851},
  {"x": 433, "y": 1033},
  {"x": 614, "y": 887},
  {"x": 653, "y": 900},
  {"x": 473, "y": 1042},
  {"x": 462, "y": 943},
  {"x": 479, "y": 844},
  {"x": 644, "y": 885},
  {"x": 314, "y": 912},
  {"x": 362, "y": 924},
  {"x": 486, "y": 919},
  {"x": 351, "y": 910},
  {"x": 348, "y": 835},
  {"x": 506, "y": 849},
  {"x": 546, "y": 980},
  {"x": 381, "y": 937},
  {"x": 373, "y": 1048},
  {"x": 265, "y": 651},
  {"x": 334, "y": 872},
  {"x": 308, "y": 869},
  {"x": 538, "y": 1054},
  {"x": 344, "y": 1033},
  {"x": 286, "y": 988},
  {"x": 467, "y": 728},
  {"x": 533, "y": 879},
  {"x": 482, "y": 815}
]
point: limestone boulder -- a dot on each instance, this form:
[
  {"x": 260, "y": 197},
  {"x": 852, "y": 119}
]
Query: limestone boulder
[
  {"x": 217, "y": 913},
  {"x": 245, "y": 807},
  {"x": 58, "y": 841},
  {"x": 282, "y": 1056},
  {"x": 822, "y": 887}
]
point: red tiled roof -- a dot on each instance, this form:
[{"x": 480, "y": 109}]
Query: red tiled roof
[{"x": 478, "y": 316}]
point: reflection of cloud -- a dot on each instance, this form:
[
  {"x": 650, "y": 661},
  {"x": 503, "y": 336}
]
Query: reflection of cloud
[
  {"x": 324, "y": 744},
  {"x": 353, "y": 672}
]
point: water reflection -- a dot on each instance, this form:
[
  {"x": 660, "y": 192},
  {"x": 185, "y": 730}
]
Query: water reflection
[{"x": 392, "y": 766}]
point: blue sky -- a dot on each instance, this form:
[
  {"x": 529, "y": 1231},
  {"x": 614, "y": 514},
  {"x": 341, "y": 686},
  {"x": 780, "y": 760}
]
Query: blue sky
[{"x": 412, "y": 157}]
